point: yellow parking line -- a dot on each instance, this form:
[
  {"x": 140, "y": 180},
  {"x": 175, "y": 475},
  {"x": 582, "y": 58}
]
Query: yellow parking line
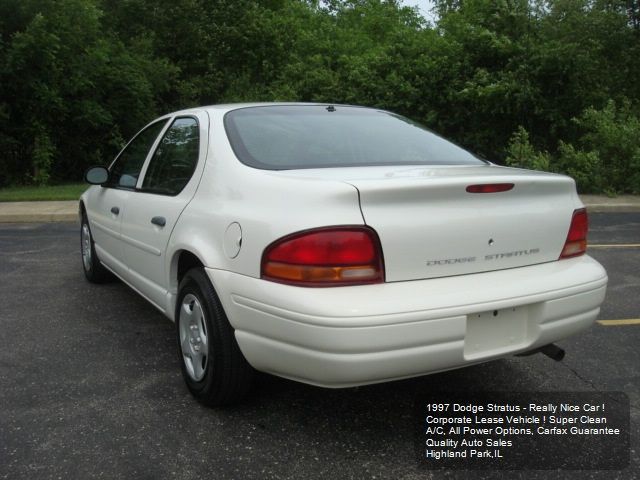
[
  {"x": 615, "y": 245},
  {"x": 612, "y": 323}
]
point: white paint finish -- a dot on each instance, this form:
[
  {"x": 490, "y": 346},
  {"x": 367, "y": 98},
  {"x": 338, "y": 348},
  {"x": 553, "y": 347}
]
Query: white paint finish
[
  {"x": 494, "y": 330},
  {"x": 429, "y": 226},
  {"x": 413, "y": 328},
  {"x": 360, "y": 334},
  {"x": 145, "y": 243},
  {"x": 335, "y": 370},
  {"x": 147, "y": 239},
  {"x": 105, "y": 225},
  {"x": 145, "y": 247},
  {"x": 427, "y": 222},
  {"x": 233, "y": 240},
  {"x": 339, "y": 369},
  {"x": 267, "y": 204},
  {"x": 391, "y": 303}
]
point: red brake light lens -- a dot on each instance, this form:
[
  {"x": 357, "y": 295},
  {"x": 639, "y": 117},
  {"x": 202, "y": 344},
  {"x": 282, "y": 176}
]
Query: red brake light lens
[
  {"x": 576, "y": 243},
  {"x": 490, "y": 188},
  {"x": 325, "y": 257}
]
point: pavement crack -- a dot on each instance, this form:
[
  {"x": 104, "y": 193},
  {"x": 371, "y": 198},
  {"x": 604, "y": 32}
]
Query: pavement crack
[
  {"x": 593, "y": 386},
  {"x": 580, "y": 377}
]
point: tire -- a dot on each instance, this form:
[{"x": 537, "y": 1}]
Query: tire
[
  {"x": 93, "y": 269},
  {"x": 212, "y": 364}
]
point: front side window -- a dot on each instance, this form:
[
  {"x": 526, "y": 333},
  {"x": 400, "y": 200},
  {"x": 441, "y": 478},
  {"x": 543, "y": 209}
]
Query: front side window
[
  {"x": 175, "y": 159},
  {"x": 126, "y": 169},
  {"x": 320, "y": 136}
]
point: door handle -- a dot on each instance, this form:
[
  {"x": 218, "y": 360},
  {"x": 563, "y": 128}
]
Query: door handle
[
  {"x": 160, "y": 221},
  {"x": 115, "y": 210}
]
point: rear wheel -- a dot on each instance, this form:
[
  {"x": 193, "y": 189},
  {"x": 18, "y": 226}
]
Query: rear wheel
[
  {"x": 93, "y": 269},
  {"x": 213, "y": 367}
]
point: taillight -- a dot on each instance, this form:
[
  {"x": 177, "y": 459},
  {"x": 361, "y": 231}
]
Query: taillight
[
  {"x": 576, "y": 243},
  {"x": 325, "y": 257}
]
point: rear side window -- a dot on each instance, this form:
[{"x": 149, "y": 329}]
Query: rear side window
[
  {"x": 175, "y": 159},
  {"x": 320, "y": 136},
  {"x": 126, "y": 169}
]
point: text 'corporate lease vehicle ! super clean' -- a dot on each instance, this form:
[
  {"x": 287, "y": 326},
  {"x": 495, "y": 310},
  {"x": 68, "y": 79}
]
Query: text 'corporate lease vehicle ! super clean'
[{"x": 335, "y": 245}]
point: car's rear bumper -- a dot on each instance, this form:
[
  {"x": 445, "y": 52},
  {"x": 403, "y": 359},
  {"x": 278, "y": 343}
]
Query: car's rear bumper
[{"x": 346, "y": 336}]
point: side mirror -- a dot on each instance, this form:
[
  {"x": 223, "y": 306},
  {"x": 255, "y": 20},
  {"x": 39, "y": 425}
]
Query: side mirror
[{"x": 96, "y": 175}]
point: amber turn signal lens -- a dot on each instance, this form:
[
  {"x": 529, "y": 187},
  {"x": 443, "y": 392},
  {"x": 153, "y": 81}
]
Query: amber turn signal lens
[{"x": 325, "y": 257}]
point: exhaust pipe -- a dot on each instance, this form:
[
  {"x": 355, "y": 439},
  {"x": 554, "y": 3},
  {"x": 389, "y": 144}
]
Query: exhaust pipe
[{"x": 552, "y": 351}]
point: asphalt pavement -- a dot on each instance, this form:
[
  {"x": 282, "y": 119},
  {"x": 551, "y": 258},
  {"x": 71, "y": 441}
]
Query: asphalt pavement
[{"x": 90, "y": 385}]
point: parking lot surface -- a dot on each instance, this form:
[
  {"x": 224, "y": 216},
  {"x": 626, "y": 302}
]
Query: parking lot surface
[{"x": 90, "y": 385}]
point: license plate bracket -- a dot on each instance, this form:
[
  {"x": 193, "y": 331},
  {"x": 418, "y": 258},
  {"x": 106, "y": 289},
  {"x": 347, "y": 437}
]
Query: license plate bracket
[{"x": 495, "y": 332}]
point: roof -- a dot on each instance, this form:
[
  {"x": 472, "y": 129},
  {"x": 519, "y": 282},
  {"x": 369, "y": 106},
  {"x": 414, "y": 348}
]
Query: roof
[{"x": 235, "y": 106}]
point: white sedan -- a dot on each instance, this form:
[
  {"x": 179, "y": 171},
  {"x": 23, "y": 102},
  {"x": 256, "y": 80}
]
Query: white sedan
[{"x": 335, "y": 245}]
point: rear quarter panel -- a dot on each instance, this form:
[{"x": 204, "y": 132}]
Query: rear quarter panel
[{"x": 266, "y": 205}]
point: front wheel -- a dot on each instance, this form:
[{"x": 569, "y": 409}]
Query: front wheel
[
  {"x": 93, "y": 269},
  {"x": 213, "y": 366}
]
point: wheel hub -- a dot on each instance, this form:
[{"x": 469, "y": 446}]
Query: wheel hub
[
  {"x": 86, "y": 246},
  {"x": 193, "y": 337}
]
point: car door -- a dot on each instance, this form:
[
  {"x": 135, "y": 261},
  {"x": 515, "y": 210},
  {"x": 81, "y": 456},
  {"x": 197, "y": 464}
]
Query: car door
[
  {"x": 169, "y": 181},
  {"x": 107, "y": 203}
]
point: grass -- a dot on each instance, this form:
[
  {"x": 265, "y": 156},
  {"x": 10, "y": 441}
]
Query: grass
[{"x": 71, "y": 191}]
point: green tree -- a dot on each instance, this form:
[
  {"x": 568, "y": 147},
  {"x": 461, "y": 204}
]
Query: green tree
[
  {"x": 520, "y": 153},
  {"x": 74, "y": 92},
  {"x": 78, "y": 77},
  {"x": 613, "y": 135}
]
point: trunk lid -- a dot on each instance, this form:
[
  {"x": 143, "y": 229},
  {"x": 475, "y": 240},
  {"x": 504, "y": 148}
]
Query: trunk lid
[{"x": 430, "y": 226}]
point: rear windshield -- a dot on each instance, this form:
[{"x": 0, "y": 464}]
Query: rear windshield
[{"x": 320, "y": 136}]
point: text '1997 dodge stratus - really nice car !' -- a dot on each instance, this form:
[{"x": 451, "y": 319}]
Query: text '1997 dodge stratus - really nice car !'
[{"x": 335, "y": 245}]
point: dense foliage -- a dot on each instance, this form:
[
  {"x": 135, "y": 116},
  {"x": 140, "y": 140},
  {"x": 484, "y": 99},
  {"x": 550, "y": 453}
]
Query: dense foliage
[{"x": 547, "y": 84}]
